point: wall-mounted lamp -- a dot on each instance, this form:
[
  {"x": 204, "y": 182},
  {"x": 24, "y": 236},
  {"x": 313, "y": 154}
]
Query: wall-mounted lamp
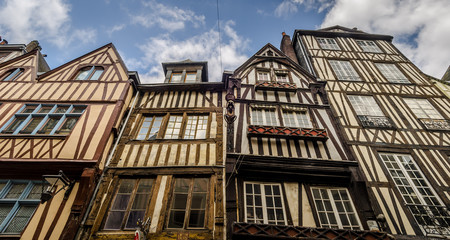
[{"x": 48, "y": 190}]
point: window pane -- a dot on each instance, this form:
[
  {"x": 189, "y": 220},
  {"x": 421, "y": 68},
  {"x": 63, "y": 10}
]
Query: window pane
[
  {"x": 83, "y": 74},
  {"x": 4, "y": 211},
  {"x": 191, "y": 77},
  {"x": 328, "y": 43},
  {"x": 176, "y": 77},
  {"x": 365, "y": 105},
  {"x": 173, "y": 127},
  {"x": 391, "y": 73},
  {"x": 20, "y": 220},
  {"x": 344, "y": 70},
  {"x": 133, "y": 219},
  {"x": 14, "y": 125},
  {"x": 176, "y": 219},
  {"x": 35, "y": 192},
  {"x": 49, "y": 125},
  {"x": 16, "y": 190},
  {"x": 32, "y": 124},
  {"x": 422, "y": 108},
  {"x": 29, "y": 108},
  {"x": 114, "y": 220},
  {"x": 45, "y": 109},
  {"x": 62, "y": 109},
  {"x": 68, "y": 125},
  {"x": 197, "y": 218},
  {"x": 96, "y": 74}
]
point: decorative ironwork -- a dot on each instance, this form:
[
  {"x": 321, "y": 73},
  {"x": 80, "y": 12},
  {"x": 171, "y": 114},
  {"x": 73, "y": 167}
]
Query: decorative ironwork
[
  {"x": 289, "y": 132},
  {"x": 436, "y": 124},
  {"x": 375, "y": 121},
  {"x": 276, "y": 85},
  {"x": 434, "y": 220},
  {"x": 246, "y": 230}
]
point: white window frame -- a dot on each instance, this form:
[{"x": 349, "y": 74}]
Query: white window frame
[
  {"x": 337, "y": 215},
  {"x": 392, "y": 73},
  {"x": 369, "y": 46},
  {"x": 264, "y": 117},
  {"x": 181, "y": 126},
  {"x": 344, "y": 70},
  {"x": 264, "y": 205},
  {"x": 299, "y": 119},
  {"x": 422, "y": 108},
  {"x": 328, "y": 43},
  {"x": 263, "y": 76},
  {"x": 365, "y": 105}
]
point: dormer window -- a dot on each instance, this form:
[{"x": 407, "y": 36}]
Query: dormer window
[
  {"x": 90, "y": 73},
  {"x": 177, "y": 77},
  {"x": 281, "y": 77},
  {"x": 12, "y": 74},
  {"x": 263, "y": 76}
]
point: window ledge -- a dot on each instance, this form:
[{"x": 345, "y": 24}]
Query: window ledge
[
  {"x": 287, "y": 132},
  {"x": 270, "y": 85},
  {"x": 435, "y": 124},
  {"x": 376, "y": 122},
  {"x": 3, "y": 135}
]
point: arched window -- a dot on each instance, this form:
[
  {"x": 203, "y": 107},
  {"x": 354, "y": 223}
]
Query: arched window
[
  {"x": 89, "y": 73},
  {"x": 12, "y": 74}
]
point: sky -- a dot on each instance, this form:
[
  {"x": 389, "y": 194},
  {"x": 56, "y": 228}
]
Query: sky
[{"x": 149, "y": 32}]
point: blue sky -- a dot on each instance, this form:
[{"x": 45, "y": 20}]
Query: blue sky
[{"x": 148, "y": 32}]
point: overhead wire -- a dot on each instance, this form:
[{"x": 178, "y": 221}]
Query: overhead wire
[{"x": 220, "y": 43}]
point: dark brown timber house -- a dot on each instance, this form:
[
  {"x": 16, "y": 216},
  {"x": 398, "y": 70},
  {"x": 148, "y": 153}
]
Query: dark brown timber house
[
  {"x": 395, "y": 121},
  {"x": 167, "y": 170},
  {"x": 288, "y": 173}
]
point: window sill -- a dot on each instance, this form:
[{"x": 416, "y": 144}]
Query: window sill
[
  {"x": 3, "y": 135},
  {"x": 381, "y": 122},
  {"x": 287, "y": 132},
  {"x": 280, "y": 86},
  {"x": 435, "y": 124}
]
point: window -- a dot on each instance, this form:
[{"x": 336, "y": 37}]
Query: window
[
  {"x": 344, "y": 71},
  {"x": 369, "y": 113},
  {"x": 150, "y": 128},
  {"x": 281, "y": 77},
  {"x": 12, "y": 75},
  {"x": 264, "y": 116},
  {"x": 335, "y": 208},
  {"x": 129, "y": 205},
  {"x": 263, "y": 76},
  {"x": 178, "y": 77},
  {"x": 89, "y": 73},
  {"x": 264, "y": 203},
  {"x": 48, "y": 119},
  {"x": 294, "y": 118},
  {"x": 328, "y": 43},
  {"x": 417, "y": 193},
  {"x": 422, "y": 108},
  {"x": 365, "y": 105},
  {"x": 189, "y": 203},
  {"x": 18, "y": 201},
  {"x": 391, "y": 73},
  {"x": 368, "y": 46},
  {"x": 184, "y": 126}
]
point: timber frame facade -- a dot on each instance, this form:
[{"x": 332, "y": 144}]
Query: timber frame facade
[
  {"x": 50, "y": 121},
  {"x": 395, "y": 120},
  {"x": 287, "y": 170},
  {"x": 168, "y": 165}
]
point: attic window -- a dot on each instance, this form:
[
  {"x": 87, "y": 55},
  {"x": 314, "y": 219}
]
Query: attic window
[
  {"x": 90, "y": 73},
  {"x": 12, "y": 74},
  {"x": 178, "y": 77}
]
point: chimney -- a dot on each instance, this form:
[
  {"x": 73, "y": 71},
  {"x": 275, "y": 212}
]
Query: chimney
[
  {"x": 33, "y": 45},
  {"x": 287, "y": 48}
]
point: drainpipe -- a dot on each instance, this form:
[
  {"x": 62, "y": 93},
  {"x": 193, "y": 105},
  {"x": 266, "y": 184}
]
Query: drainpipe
[{"x": 108, "y": 161}]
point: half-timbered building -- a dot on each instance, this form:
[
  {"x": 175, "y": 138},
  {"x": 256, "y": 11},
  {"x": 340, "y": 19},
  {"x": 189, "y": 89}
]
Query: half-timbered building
[
  {"x": 166, "y": 175},
  {"x": 288, "y": 174},
  {"x": 55, "y": 122},
  {"x": 395, "y": 121}
]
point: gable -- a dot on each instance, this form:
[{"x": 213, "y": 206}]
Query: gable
[
  {"x": 26, "y": 62},
  {"x": 105, "y": 58}
]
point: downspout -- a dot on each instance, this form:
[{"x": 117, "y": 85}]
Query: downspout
[{"x": 108, "y": 161}]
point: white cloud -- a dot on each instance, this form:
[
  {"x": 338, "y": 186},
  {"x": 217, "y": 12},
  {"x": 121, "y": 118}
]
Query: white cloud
[
  {"x": 115, "y": 28},
  {"x": 24, "y": 20},
  {"x": 170, "y": 18},
  {"x": 288, "y": 7},
  {"x": 203, "y": 47},
  {"x": 420, "y": 28}
]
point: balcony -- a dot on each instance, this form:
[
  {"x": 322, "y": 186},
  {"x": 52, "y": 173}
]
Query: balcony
[
  {"x": 287, "y": 132},
  {"x": 434, "y": 220},
  {"x": 376, "y": 121},
  {"x": 265, "y": 231},
  {"x": 435, "y": 124},
  {"x": 269, "y": 85}
]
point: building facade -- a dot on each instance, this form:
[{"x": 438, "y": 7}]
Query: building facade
[
  {"x": 395, "y": 121},
  {"x": 289, "y": 175},
  {"x": 50, "y": 121},
  {"x": 166, "y": 175}
]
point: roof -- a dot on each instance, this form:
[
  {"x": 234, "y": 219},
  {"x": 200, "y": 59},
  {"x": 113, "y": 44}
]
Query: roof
[{"x": 340, "y": 31}]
